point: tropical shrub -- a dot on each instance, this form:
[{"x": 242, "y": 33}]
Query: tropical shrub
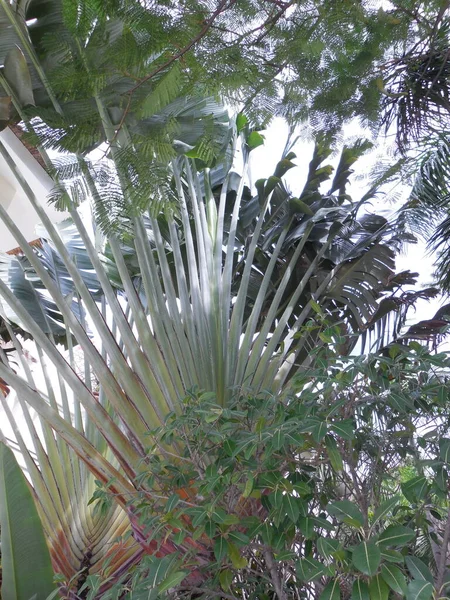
[{"x": 339, "y": 490}]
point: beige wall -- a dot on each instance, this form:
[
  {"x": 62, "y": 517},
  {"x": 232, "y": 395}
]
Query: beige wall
[{"x": 14, "y": 199}]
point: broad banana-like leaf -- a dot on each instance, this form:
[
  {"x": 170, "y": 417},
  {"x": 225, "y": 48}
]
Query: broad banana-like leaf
[
  {"x": 17, "y": 273},
  {"x": 26, "y": 567}
]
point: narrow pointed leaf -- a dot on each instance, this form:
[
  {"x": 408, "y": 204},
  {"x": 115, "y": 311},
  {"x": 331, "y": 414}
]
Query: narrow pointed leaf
[
  {"x": 333, "y": 453},
  {"x": 172, "y": 581},
  {"x": 415, "y": 489},
  {"x": 344, "y": 429},
  {"x": 444, "y": 450},
  {"x": 291, "y": 507},
  {"x": 392, "y": 556},
  {"x": 385, "y": 508}
]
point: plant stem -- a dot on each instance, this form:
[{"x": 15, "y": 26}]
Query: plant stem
[{"x": 274, "y": 574}]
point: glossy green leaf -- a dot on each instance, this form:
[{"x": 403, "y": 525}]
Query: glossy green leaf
[
  {"x": 278, "y": 439},
  {"x": 399, "y": 402},
  {"x": 344, "y": 429},
  {"x": 291, "y": 507},
  {"x": 238, "y": 537},
  {"x": 220, "y": 548},
  {"x": 360, "y": 590},
  {"x": 172, "y": 580},
  {"x": 248, "y": 488},
  {"x": 226, "y": 579},
  {"x": 319, "y": 431},
  {"x": 284, "y": 165},
  {"x": 309, "y": 569},
  {"x": 366, "y": 558},
  {"x": 444, "y": 450},
  {"x": 172, "y": 502},
  {"x": 415, "y": 489},
  {"x": 419, "y": 589},
  {"x": 441, "y": 478},
  {"x": 238, "y": 561},
  {"x": 327, "y": 546},
  {"x": 271, "y": 183},
  {"x": 254, "y": 140},
  {"x": 306, "y": 526},
  {"x": 418, "y": 569},
  {"x": 331, "y": 591},
  {"x": 392, "y": 556},
  {"x": 378, "y": 589},
  {"x": 298, "y": 206},
  {"x": 394, "y": 577},
  {"x": 396, "y": 535},
  {"x": 26, "y": 567},
  {"x": 241, "y": 122},
  {"x": 346, "y": 511}
]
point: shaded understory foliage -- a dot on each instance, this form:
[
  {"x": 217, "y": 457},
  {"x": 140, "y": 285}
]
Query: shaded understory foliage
[{"x": 337, "y": 491}]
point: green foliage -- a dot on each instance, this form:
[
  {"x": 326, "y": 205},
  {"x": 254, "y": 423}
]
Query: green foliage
[
  {"x": 263, "y": 508},
  {"x": 314, "y": 227},
  {"x": 294, "y": 59},
  {"x": 427, "y": 210}
]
